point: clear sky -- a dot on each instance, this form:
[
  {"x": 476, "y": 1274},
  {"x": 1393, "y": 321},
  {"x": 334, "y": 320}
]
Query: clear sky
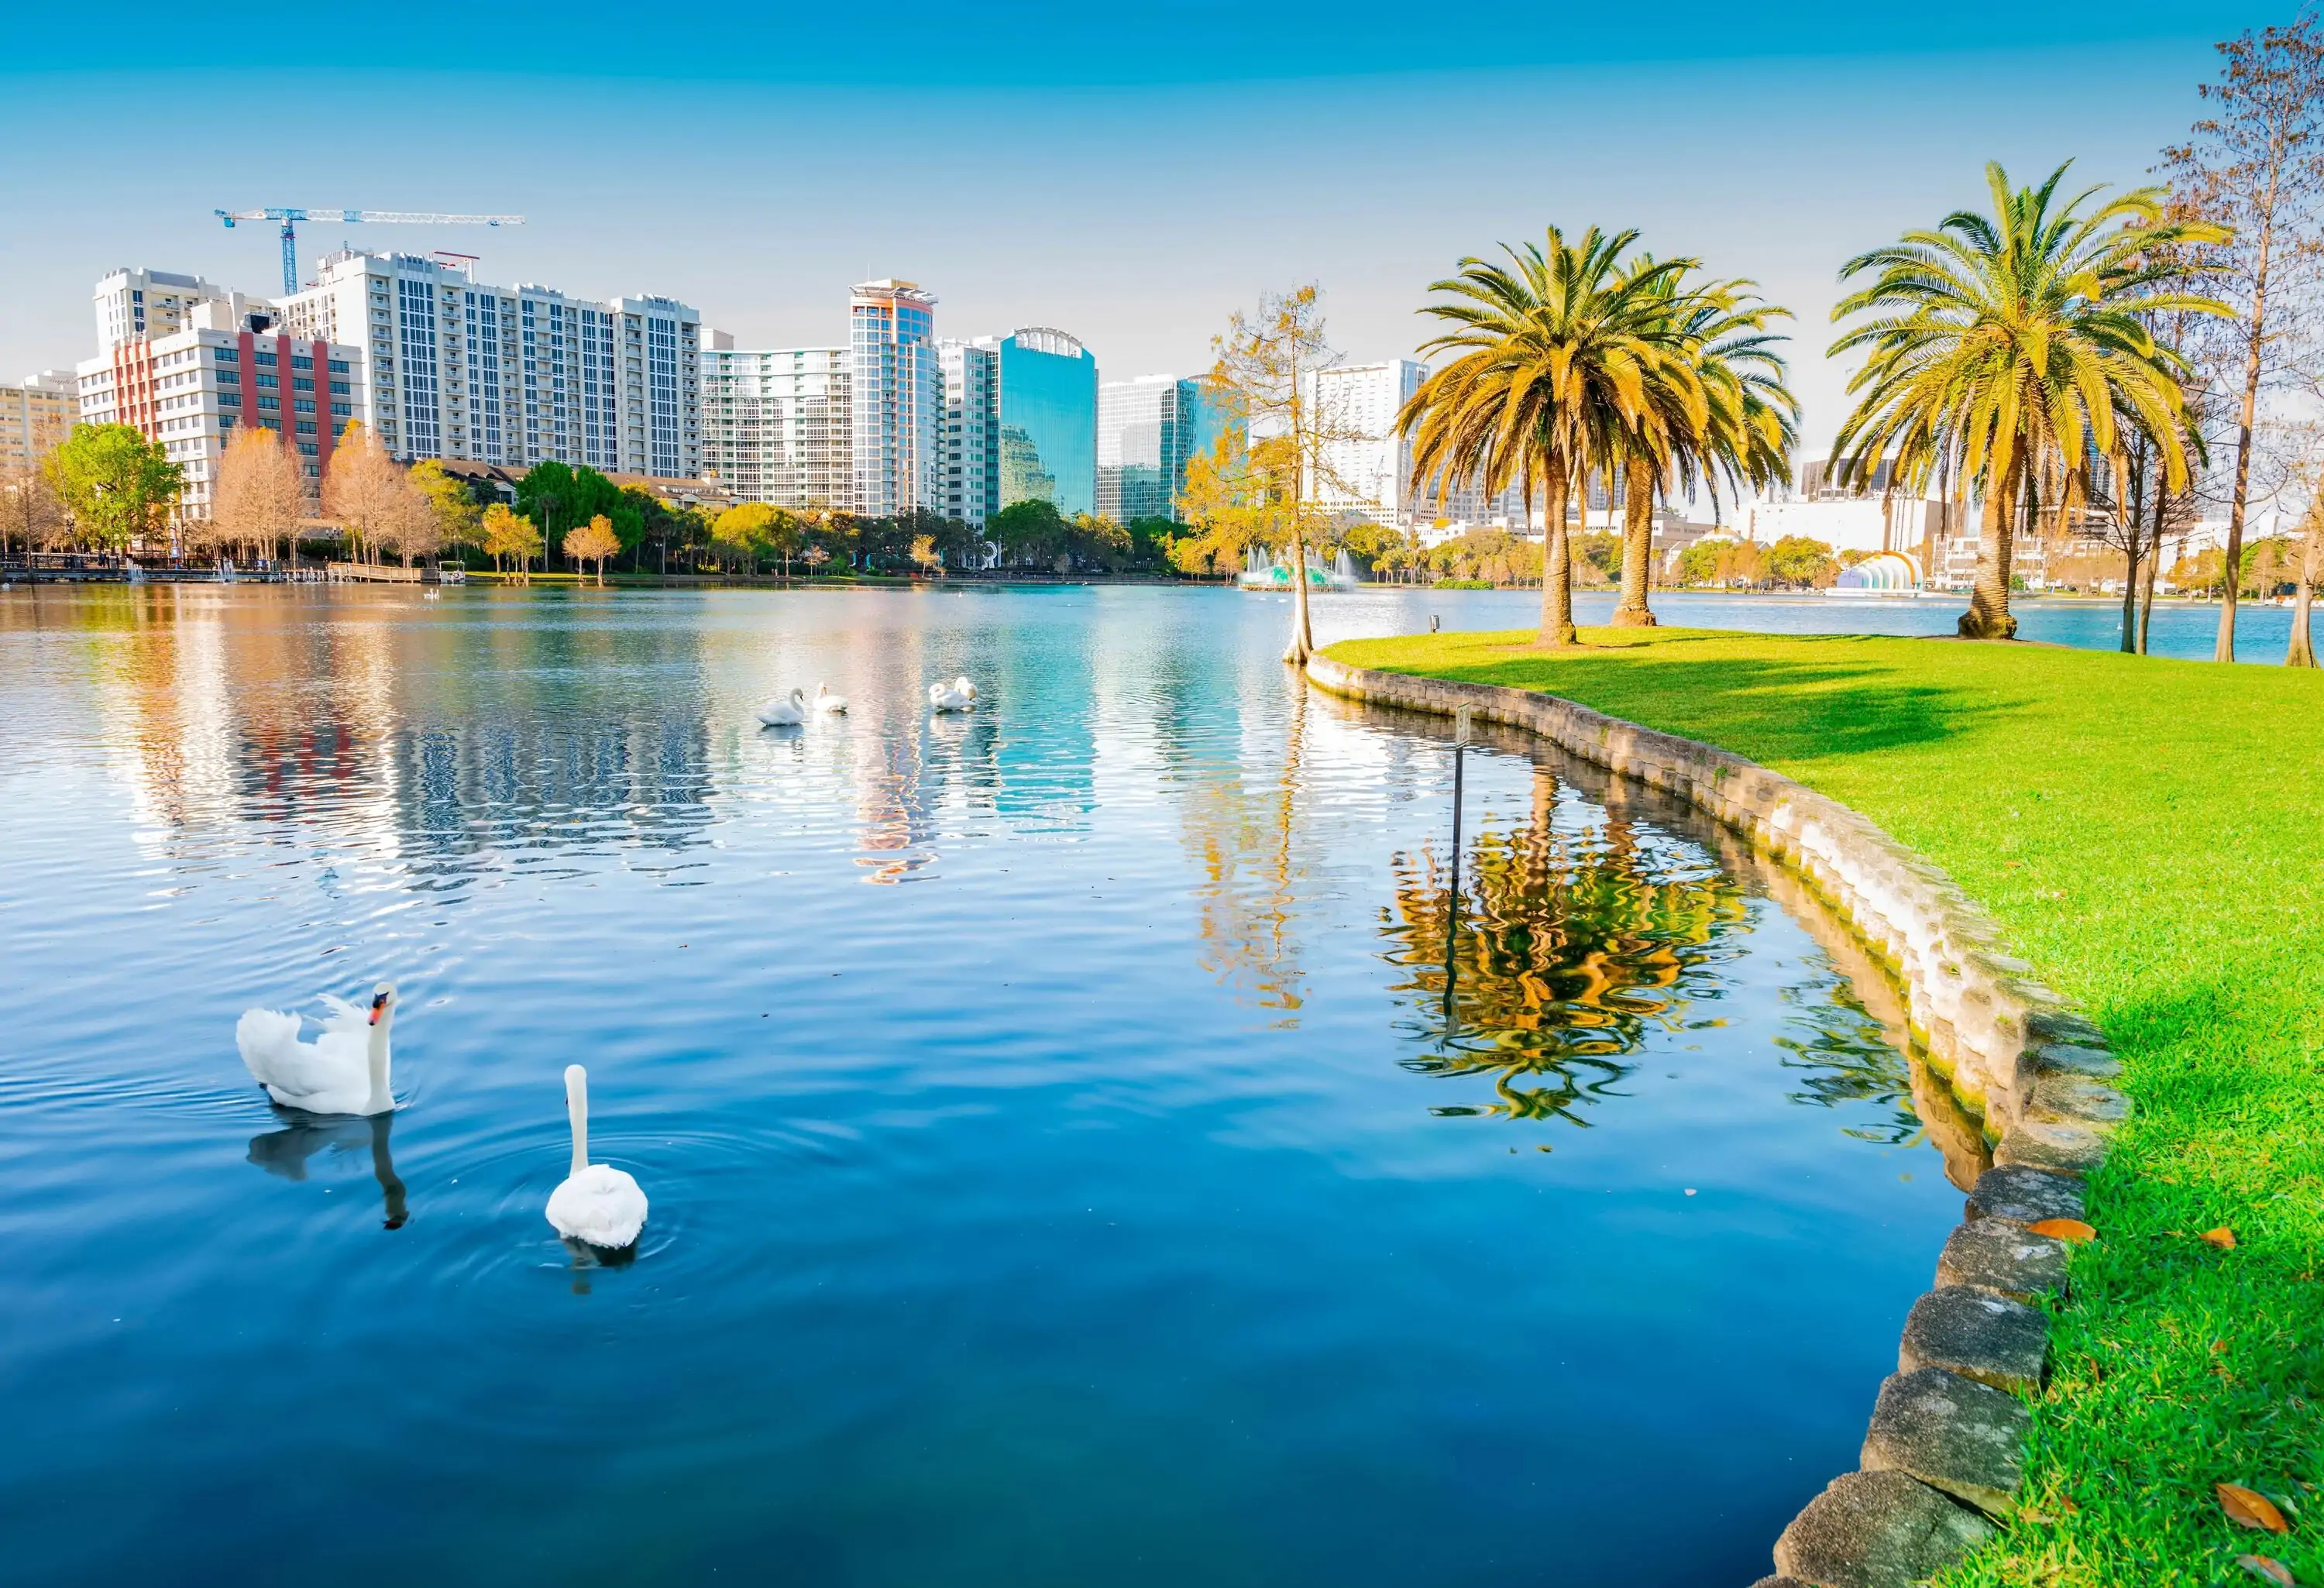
[{"x": 1127, "y": 174}]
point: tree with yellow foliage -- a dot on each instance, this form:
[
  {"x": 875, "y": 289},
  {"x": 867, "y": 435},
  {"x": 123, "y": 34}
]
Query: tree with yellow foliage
[
  {"x": 1266, "y": 378},
  {"x": 362, "y": 488},
  {"x": 458, "y": 518},
  {"x": 1224, "y": 499},
  {"x": 594, "y": 541},
  {"x": 261, "y": 494},
  {"x": 508, "y": 533}
]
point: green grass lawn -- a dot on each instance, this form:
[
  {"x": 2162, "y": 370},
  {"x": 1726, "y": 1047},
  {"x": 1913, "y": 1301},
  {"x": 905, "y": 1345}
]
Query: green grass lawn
[{"x": 2151, "y": 836}]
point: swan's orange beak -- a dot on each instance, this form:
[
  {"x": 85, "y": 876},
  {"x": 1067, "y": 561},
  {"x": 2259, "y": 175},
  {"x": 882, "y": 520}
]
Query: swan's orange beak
[{"x": 377, "y": 1004}]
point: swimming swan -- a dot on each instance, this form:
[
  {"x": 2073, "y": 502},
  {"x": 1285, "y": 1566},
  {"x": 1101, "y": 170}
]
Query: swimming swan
[
  {"x": 825, "y": 700},
  {"x": 597, "y": 1202},
  {"x": 342, "y": 1071},
  {"x": 960, "y": 695},
  {"x": 788, "y": 712}
]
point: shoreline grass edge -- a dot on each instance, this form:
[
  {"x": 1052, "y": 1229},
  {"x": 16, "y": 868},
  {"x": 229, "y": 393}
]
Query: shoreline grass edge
[{"x": 2179, "y": 1362}]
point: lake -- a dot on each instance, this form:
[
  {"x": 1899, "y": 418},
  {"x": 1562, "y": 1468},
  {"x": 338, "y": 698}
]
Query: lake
[
  {"x": 1088, "y": 1141},
  {"x": 2188, "y": 629}
]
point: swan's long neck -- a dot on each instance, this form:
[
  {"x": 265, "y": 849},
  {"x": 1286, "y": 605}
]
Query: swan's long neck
[
  {"x": 577, "y": 1108},
  {"x": 377, "y": 1054}
]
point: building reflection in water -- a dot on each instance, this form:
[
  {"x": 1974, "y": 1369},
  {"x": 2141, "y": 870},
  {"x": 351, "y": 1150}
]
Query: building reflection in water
[{"x": 417, "y": 744}]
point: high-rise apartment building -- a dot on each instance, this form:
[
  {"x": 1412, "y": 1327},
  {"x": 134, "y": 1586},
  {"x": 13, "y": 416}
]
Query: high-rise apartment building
[
  {"x": 1362, "y": 467},
  {"x": 1468, "y": 505},
  {"x": 188, "y": 391},
  {"x": 1148, "y": 430},
  {"x": 777, "y": 426},
  {"x": 512, "y": 376},
  {"x": 971, "y": 431},
  {"x": 1045, "y": 397},
  {"x": 35, "y": 414},
  {"x": 896, "y": 398},
  {"x": 134, "y": 304},
  {"x": 659, "y": 399}
]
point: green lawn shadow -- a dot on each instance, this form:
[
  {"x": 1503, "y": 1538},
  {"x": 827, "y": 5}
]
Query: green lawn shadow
[{"x": 1816, "y": 710}]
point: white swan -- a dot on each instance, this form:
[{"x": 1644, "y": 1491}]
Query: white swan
[
  {"x": 786, "y": 712},
  {"x": 825, "y": 700},
  {"x": 342, "y": 1071},
  {"x": 960, "y": 695},
  {"x": 597, "y": 1203}
]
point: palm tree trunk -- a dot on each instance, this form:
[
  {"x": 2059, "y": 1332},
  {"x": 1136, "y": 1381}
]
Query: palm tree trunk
[
  {"x": 2129, "y": 488},
  {"x": 2154, "y": 566},
  {"x": 1637, "y": 547},
  {"x": 1557, "y": 630},
  {"x": 1988, "y": 617}
]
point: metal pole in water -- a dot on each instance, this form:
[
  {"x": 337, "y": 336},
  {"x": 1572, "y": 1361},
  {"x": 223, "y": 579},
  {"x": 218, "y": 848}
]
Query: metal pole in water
[{"x": 1461, "y": 723}]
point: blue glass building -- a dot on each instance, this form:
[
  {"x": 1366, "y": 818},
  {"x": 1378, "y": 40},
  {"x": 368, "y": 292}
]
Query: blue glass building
[
  {"x": 1047, "y": 394},
  {"x": 1148, "y": 429}
]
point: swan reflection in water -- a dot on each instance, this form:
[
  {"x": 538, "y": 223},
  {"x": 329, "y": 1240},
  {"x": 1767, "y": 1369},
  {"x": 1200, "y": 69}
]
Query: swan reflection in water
[
  {"x": 583, "y": 1260},
  {"x": 285, "y": 1151}
]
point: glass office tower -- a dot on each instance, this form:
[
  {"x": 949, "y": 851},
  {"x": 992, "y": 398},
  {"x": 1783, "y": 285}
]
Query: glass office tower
[
  {"x": 1148, "y": 430},
  {"x": 1047, "y": 394}
]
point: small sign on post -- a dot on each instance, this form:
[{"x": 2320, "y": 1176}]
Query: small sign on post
[{"x": 1463, "y": 716}]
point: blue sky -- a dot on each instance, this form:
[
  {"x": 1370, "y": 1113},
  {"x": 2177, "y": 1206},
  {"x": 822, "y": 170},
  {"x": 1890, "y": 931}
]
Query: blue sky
[{"x": 1127, "y": 174}]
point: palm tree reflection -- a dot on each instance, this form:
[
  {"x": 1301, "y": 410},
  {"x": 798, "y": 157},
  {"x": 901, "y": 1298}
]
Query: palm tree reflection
[{"x": 1568, "y": 943}]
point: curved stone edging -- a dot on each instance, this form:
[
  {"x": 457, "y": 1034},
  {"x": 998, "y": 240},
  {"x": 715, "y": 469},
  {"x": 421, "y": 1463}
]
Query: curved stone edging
[{"x": 1946, "y": 1446}]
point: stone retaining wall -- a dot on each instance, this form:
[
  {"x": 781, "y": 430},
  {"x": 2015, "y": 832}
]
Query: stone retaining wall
[{"x": 1946, "y": 1446}]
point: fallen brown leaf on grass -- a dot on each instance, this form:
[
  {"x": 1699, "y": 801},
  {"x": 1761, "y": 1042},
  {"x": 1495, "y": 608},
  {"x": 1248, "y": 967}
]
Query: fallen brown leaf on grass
[
  {"x": 2063, "y": 1229},
  {"x": 2260, "y": 1566},
  {"x": 2223, "y": 1237},
  {"x": 2248, "y": 1509}
]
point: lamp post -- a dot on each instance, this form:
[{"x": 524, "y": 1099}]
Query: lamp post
[{"x": 1462, "y": 717}]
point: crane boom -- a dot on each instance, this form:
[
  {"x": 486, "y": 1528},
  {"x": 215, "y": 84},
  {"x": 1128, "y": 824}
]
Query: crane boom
[{"x": 290, "y": 216}]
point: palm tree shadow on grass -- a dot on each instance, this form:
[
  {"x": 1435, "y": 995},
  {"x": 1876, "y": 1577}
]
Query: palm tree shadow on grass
[{"x": 1766, "y": 709}]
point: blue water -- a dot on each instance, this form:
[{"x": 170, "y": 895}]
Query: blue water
[
  {"x": 1066, "y": 1164},
  {"x": 2185, "y": 629}
]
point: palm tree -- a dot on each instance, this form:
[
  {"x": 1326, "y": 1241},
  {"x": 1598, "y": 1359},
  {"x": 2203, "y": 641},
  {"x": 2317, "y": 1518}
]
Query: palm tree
[
  {"x": 1562, "y": 352},
  {"x": 2003, "y": 345},
  {"x": 1752, "y": 419}
]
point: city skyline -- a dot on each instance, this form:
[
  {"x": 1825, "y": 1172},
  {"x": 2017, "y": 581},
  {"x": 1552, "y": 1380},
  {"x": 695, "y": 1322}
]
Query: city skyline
[{"x": 1150, "y": 227}]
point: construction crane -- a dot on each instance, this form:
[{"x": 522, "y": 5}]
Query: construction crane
[{"x": 290, "y": 217}]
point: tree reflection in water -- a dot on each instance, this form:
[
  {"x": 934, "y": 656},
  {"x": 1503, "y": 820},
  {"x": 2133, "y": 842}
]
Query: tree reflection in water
[
  {"x": 1844, "y": 1057},
  {"x": 1577, "y": 935}
]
